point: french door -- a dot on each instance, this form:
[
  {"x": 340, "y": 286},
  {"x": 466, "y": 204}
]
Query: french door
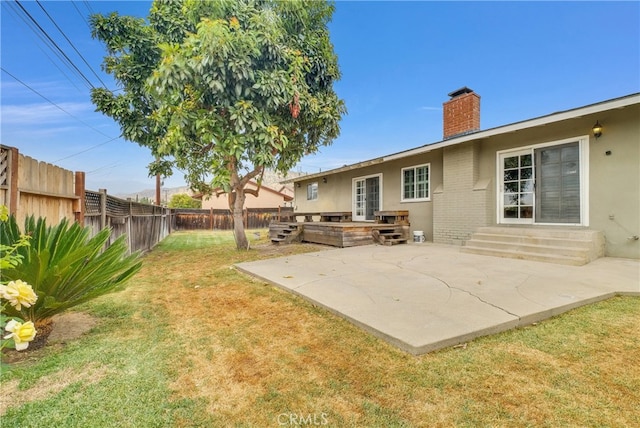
[
  {"x": 541, "y": 185},
  {"x": 366, "y": 197}
]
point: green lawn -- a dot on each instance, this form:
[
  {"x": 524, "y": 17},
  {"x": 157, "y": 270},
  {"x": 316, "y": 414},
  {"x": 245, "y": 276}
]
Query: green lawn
[{"x": 191, "y": 342}]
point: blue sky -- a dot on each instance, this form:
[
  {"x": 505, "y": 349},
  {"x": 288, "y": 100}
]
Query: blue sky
[{"x": 399, "y": 60}]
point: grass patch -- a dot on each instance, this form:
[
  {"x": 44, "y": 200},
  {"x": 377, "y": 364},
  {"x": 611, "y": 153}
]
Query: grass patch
[{"x": 191, "y": 342}]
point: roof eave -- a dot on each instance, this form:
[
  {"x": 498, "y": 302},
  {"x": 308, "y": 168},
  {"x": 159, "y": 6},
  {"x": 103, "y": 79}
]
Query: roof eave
[{"x": 616, "y": 103}]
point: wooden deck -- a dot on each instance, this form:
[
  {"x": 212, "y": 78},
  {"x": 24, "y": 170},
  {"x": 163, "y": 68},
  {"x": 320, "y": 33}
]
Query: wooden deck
[{"x": 338, "y": 234}]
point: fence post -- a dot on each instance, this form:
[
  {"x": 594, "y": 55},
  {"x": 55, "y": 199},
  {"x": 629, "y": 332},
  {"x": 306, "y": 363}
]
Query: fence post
[
  {"x": 79, "y": 204},
  {"x": 13, "y": 180},
  {"x": 103, "y": 208},
  {"x": 129, "y": 227},
  {"x": 245, "y": 218}
]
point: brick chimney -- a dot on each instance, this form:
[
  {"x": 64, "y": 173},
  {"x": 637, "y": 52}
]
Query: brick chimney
[{"x": 461, "y": 114}]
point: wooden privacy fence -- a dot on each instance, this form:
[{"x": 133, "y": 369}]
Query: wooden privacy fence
[
  {"x": 29, "y": 187},
  {"x": 211, "y": 219},
  {"x": 144, "y": 225}
]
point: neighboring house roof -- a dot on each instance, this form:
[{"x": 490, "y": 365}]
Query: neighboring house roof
[
  {"x": 615, "y": 103},
  {"x": 253, "y": 184}
]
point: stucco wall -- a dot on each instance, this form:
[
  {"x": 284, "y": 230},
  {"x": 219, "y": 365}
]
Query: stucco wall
[
  {"x": 336, "y": 193},
  {"x": 463, "y": 181},
  {"x": 614, "y": 179},
  {"x": 615, "y": 182}
]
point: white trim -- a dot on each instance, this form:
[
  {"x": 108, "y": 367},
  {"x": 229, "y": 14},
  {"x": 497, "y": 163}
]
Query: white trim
[
  {"x": 414, "y": 167},
  {"x": 617, "y": 103},
  {"x": 583, "y": 153},
  {"x": 353, "y": 194},
  {"x": 518, "y": 126}
]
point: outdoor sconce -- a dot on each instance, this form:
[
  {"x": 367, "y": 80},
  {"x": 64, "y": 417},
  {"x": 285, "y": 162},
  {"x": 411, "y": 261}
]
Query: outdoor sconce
[
  {"x": 298, "y": 184},
  {"x": 324, "y": 179},
  {"x": 597, "y": 129}
]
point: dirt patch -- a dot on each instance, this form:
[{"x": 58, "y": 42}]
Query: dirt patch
[
  {"x": 70, "y": 326},
  {"x": 60, "y": 329}
]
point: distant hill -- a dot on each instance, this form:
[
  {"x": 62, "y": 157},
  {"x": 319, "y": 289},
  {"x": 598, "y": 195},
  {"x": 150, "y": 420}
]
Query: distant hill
[{"x": 270, "y": 179}]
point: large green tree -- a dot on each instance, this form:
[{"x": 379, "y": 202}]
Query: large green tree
[
  {"x": 182, "y": 200},
  {"x": 223, "y": 89}
]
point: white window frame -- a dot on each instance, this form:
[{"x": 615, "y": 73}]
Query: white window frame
[
  {"x": 310, "y": 187},
  {"x": 583, "y": 147},
  {"x": 415, "y": 167}
]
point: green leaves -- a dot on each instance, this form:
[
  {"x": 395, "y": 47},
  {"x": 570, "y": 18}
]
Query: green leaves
[
  {"x": 64, "y": 266},
  {"x": 206, "y": 83}
]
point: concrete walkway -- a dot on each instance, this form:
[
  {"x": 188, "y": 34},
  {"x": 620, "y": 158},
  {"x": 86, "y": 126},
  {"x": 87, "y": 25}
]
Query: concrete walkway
[{"x": 422, "y": 297}]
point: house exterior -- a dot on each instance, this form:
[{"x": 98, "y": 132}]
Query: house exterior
[
  {"x": 549, "y": 172},
  {"x": 267, "y": 198}
]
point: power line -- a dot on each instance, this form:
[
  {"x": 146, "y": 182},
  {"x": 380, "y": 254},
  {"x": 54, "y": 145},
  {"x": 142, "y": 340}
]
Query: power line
[
  {"x": 88, "y": 6},
  {"x": 86, "y": 150},
  {"x": 81, "y": 15},
  {"x": 66, "y": 112},
  {"x": 71, "y": 43},
  {"x": 14, "y": 10},
  {"x": 54, "y": 63},
  {"x": 56, "y": 105},
  {"x": 55, "y": 44}
]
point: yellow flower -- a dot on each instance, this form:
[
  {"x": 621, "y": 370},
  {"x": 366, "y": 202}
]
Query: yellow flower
[
  {"x": 18, "y": 293},
  {"x": 234, "y": 23},
  {"x": 21, "y": 333}
]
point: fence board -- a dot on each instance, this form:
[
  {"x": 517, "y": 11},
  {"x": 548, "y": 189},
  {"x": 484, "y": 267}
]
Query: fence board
[
  {"x": 29, "y": 187},
  {"x": 216, "y": 219}
]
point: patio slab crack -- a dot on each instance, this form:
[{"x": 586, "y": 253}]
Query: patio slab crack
[{"x": 478, "y": 298}]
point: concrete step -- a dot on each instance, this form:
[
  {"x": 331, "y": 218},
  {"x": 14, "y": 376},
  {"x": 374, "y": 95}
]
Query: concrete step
[
  {"x": 557, "y": 245},
  {"x": 524, "y": 255},
  {"x": 578, "y": 250},
  {"x": 537, "y": 240},
  {"x": 577, "y": 233}
]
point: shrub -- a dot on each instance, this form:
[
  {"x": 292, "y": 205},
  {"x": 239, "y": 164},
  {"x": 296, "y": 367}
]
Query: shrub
[{"x": 64, "y": 265}]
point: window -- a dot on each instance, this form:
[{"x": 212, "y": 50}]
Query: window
[
  {"x": 415, "y": 183},
  {"x": 312, "y": 191}
]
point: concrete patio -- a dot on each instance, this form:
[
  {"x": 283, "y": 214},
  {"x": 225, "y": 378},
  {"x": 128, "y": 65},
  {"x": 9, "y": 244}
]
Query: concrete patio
[{"x": 423, "y": 297}]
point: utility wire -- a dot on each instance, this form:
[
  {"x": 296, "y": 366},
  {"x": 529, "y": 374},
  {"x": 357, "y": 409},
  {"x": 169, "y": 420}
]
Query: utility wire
[
  {"x": 55, "y": 44},
  {"x": 54, "y": 63},
  {"x": 79, "y": 120},
  {"x": 71, "y": 43},
  {"x": 86, "y": 150},
  {"x": 81, "y": 15},
  {"x": 14, "y": 10},
  {"x": 88, "y": 6},
  {"x": 66, "y": 112},
  {"x": 56, "y": 105}
]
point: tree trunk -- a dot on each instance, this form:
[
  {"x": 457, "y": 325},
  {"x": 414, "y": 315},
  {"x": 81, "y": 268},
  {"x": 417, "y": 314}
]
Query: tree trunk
[{"x": 238, "y": 220}]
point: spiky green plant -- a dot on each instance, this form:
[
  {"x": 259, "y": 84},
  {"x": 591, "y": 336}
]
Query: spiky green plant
[{"x": 64, "y": 265}]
